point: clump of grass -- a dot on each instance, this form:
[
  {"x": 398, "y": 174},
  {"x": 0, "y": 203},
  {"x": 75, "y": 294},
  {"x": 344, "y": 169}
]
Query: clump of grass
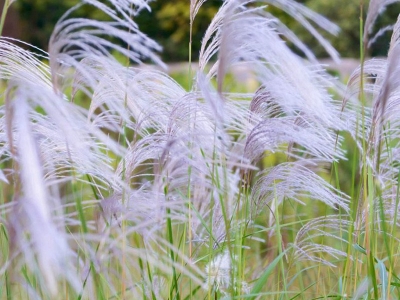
[{"x": 118, "y": 183}]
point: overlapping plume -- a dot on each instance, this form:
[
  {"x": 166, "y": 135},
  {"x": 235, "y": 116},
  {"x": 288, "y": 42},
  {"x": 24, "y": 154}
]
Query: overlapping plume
[{"x": 150, "y": 156}]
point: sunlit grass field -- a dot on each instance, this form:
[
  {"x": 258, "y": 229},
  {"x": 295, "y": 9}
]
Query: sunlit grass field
[{"x": 256, "y": 174}]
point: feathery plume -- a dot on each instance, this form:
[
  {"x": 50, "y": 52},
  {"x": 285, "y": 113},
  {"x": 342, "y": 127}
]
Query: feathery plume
[{"x": 375, "y": 8}]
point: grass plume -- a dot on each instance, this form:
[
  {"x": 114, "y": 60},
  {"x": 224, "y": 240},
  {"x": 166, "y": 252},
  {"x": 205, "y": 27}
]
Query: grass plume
[{"x": 118, "y": 183}]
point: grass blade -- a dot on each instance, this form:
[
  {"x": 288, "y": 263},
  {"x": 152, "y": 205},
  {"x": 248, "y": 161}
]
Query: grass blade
[{"x": 262, "y": 280}]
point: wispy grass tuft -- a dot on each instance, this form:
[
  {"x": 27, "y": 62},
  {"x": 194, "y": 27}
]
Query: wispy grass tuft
[{"x": 118, "y": 183}]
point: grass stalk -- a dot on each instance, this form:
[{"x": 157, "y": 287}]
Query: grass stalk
[
  {"x": 193, "y": 177},
  {"x": 6, "y": 5}
]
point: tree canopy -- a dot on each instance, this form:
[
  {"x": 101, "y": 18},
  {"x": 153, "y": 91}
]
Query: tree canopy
[{"x": 168, "y": 24}]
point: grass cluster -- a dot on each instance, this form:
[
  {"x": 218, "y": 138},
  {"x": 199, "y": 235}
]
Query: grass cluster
[{"x": 118, "y": 183}]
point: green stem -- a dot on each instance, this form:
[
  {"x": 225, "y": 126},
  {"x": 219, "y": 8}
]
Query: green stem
[
  {"x": 190, "y": 53},
  {"x": 7, "y": 4}
]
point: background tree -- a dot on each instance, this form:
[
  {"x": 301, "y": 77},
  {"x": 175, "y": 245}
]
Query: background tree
[
  {"x": 168, "y": 24},
  {"x": 346, "y": 13},
  {"x": 38, "y": 17}
]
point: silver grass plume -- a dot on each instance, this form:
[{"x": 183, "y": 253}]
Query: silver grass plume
[
  {"x": 74, "y": 39},
  {"x": 381, "y": 89},
  {"x": 385, "y": 124},
  {"x": 292, "y": 112},
  {"x": 35, "y": 206},
  {"x": 375, "y": 8},
  {"x": 47, "y": 148},
  {"x": 307, "y": 244},
  {"x": 154, "y": 155},
  {"x": 381, "y": 125},
  {"x": 309, "y": 105},
  {"x": 194, "y": 8},
  {"x": 226, "y": 14}
]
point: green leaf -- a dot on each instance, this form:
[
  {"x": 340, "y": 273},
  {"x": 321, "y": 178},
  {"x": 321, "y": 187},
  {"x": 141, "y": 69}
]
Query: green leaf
[
  {"x": 360, "y": 249},
  {"x": 264, "y": 277},
  {"x": 384, "y": 278}
]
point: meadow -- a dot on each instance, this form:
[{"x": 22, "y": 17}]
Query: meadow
[{"x": 118, "y": 182}]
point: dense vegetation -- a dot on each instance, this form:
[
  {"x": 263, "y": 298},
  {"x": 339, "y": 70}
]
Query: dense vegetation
[
  {"x": 118, "y": 183},
  {"x": 168, "y": 24}
]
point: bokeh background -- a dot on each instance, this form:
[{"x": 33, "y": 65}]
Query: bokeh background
[{"x": 33, "y": 21}]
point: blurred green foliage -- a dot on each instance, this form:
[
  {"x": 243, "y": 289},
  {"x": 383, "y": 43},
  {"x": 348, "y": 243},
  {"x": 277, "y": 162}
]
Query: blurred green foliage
[
  {"x": 168, "y": 24},
  {"x": 346, "y": 13},
  {"x": 38, "y": 17}
]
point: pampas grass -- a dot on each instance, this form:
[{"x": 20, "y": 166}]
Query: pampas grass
[{"x": 118, "y": 183}]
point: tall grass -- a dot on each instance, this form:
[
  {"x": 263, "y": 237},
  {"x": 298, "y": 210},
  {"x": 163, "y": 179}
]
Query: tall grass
[{"x": 117, "y": 183}]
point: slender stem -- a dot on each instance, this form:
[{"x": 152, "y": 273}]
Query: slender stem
[
  {"x": 7, "y": 4},
  {"x": 190, "y": 53}
]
